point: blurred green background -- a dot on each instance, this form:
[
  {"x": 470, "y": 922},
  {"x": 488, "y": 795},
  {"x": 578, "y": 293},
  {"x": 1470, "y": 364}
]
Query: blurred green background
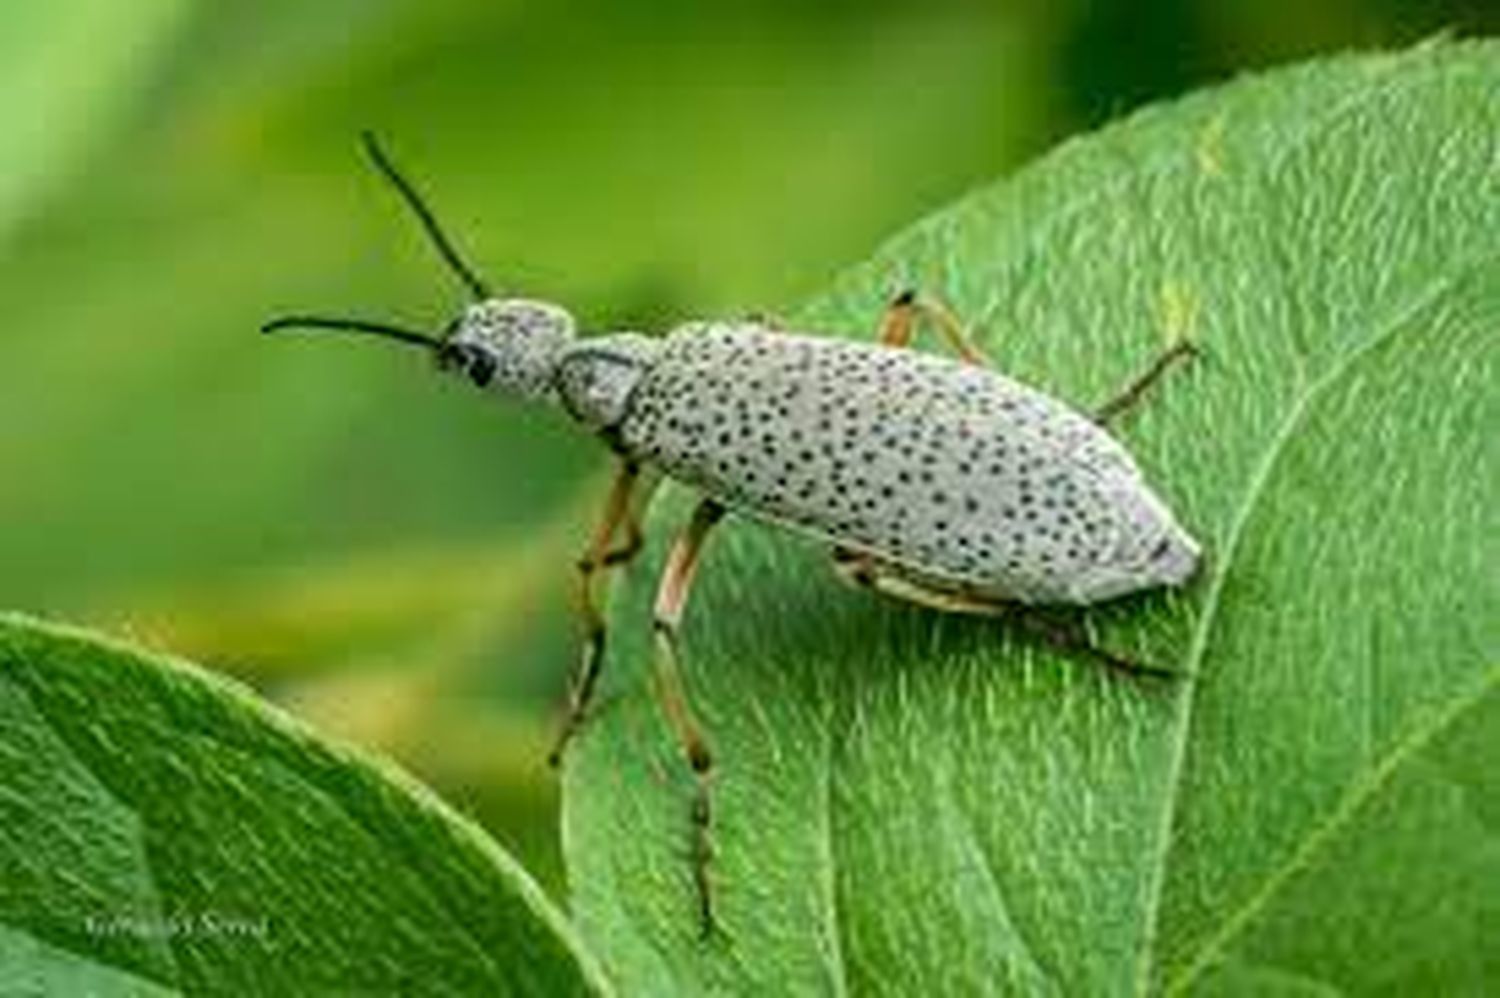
[{"x": 389, "y": 554}]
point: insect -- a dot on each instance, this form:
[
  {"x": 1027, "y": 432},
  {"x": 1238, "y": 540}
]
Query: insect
[{"x": 934, "y": 480}]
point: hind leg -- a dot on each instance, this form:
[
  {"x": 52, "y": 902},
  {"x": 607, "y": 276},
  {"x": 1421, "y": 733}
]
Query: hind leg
[
  {"x": 869, "y": 572},
  {"x": 899, "y": 327}
]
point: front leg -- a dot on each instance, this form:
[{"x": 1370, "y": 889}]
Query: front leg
[
  {"x": 629, "y": 494},
  {"x": 671, "y": 600}
]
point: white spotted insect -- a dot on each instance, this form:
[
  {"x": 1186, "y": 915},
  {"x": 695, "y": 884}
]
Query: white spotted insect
[{"x": 934, "y": 480}]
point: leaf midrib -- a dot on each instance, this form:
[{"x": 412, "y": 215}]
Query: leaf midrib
[
  {"x": 1241, "y": 915},
  {"x": 1034, "y": 236}
]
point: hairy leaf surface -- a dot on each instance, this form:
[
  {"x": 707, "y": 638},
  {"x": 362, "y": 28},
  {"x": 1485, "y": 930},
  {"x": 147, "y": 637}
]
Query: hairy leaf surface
[
  {"x": 162, "y": 832},
  {"x": 910, "y": 803}
]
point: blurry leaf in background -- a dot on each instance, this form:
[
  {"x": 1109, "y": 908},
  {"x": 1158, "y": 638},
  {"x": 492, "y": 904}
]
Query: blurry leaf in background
[
  {"x": 163, "y": 832},
  {"x": 1115, "y": 55},
  {"x": 913, "y": 803},
  {"x": 428, "y": 609}
]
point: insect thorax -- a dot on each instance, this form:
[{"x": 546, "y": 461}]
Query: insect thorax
[{"x": 595, "y": 379}]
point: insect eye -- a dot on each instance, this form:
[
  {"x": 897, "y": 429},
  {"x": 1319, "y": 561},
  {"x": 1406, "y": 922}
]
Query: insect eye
[{"x": 481, "y": 369}]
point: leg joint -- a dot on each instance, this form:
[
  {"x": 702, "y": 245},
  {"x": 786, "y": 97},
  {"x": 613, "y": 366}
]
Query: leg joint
[
  {"x": 699, "y": 757},
  {"x": 625, "y": 552}
]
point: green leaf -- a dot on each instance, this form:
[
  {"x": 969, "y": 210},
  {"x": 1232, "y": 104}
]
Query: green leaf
[
  {"x": 913, "y": 803},
  {"x": 163, "y": 832}
]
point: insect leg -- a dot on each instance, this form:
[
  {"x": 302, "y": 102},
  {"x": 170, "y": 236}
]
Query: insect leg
[
  {"x": 899, "y": 325},
  {"x": 627, "y": 498},
  {"x": 647, "y": 480},
  {"x": 1070, "y": 638},
  {"x": 870, "y": 573},
  {"x": 1131, "y": 393},
  {"x": 768, "y": 320},
  {"x": 671, "y": 598}
]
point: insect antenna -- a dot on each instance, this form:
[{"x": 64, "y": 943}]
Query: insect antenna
[
  {"x": 381, "y": 329},
  {"x": 414, "y": 201}
]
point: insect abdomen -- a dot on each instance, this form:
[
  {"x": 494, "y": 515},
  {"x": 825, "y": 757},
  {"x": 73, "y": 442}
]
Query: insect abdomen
[{"x": 961, "y": 474}]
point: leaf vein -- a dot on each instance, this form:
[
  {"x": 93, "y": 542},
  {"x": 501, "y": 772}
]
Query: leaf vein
[
  {"x": 1259, "y": 479},
  {"x": 970, "y": 842},
  {"x": 1361, "y": 793}
]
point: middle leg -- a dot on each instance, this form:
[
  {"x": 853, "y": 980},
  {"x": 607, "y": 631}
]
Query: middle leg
[
  {"x": 899, "y": 326},
  {"x": 869, "y": 572},
  {"x": 671, "y": 599}
]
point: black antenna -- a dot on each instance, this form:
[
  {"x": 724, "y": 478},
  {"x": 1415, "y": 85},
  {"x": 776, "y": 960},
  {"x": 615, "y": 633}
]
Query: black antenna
[
  {"x": 352, "y": 326},
  {"x": 414, "y": 201}
]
